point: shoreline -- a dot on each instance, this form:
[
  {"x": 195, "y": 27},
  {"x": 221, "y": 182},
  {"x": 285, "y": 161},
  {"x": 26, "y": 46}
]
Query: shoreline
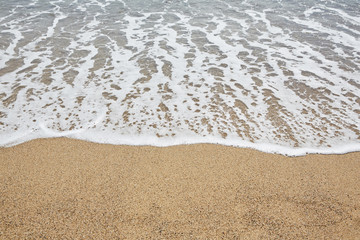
[
  {"x": 140, "y": 141},
  {"x": 66, "y": 188}
]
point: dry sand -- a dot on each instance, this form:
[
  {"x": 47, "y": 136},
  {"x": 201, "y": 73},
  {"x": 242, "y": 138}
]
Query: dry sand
[{"x": 70, "y": 189}]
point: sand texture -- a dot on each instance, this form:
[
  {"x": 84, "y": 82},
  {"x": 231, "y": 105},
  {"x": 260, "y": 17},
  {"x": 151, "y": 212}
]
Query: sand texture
[{"x": 71, "y": 189}]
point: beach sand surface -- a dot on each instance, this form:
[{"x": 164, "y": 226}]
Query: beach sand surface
[{"x": 71, "y": 189}]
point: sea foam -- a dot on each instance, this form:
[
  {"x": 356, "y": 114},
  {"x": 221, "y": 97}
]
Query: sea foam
[{"x": 269, "y": 75}]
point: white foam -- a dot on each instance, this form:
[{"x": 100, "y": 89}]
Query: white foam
[{"x": 259, "y": 78}]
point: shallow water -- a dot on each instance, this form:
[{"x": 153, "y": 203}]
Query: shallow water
[{"x": 279, "y": 76}]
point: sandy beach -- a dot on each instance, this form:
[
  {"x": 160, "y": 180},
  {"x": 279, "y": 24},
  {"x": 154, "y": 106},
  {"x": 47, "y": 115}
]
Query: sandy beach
[{"x": 71, "y": 189}]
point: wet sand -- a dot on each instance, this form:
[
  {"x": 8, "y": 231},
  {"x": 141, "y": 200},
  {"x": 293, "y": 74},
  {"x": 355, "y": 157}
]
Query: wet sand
[{"x": 70, "y": 189}]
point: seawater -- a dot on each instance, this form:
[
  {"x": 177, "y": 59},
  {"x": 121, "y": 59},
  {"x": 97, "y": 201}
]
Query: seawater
[{"x": 279, "y": 76}]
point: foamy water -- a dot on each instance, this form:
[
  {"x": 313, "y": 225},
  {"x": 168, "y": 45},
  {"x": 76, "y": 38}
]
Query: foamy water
[{"x": 278, "y": 76}]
